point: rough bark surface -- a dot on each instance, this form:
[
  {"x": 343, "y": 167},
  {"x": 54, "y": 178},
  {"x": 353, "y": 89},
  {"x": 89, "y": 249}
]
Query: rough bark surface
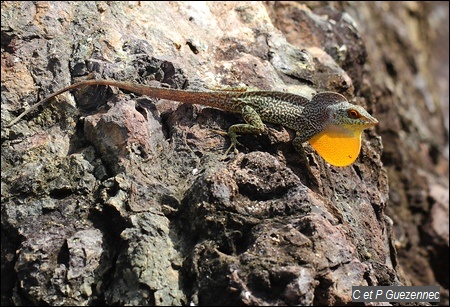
[{"x": 109, "y": 198}]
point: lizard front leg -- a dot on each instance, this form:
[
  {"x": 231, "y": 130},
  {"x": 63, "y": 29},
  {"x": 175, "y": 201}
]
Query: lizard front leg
[
  {"x": 300, "y": 138},
  {"x": 254, "y": 125},
  {"x": 297, "y": 142}
]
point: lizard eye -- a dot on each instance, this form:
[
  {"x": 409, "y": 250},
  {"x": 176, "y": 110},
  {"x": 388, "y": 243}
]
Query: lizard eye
[{"x": 352, "y": 113}]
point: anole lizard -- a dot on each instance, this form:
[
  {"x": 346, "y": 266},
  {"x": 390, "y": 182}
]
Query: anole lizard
[{"x": 331, "y": 124}]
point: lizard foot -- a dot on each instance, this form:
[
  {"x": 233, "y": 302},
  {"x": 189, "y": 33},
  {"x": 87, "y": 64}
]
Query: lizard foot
[
  {"x": 223, "y": 133},
  {"x": 234, "y": 142}
]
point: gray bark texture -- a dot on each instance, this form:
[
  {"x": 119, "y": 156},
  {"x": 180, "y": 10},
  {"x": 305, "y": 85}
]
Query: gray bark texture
[{"x": 109, "y": 198}]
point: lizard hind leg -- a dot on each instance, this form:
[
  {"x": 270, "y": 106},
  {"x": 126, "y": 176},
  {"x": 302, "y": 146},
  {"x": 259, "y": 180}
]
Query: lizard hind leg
[{"x": 254, "y": 125}]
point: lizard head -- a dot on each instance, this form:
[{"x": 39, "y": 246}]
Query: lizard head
[
  {"x": 339, "y": 142},
  {"x": 350, "y": 116}
]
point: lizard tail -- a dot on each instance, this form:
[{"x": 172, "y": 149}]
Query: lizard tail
[{"x": 212, "y": 99}]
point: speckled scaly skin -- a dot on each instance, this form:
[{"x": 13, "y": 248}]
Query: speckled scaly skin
[{"x": 328, "y": 120}]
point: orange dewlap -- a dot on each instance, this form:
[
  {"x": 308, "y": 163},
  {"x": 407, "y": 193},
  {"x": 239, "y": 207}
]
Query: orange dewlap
[{"x": 339, "y": 148}]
